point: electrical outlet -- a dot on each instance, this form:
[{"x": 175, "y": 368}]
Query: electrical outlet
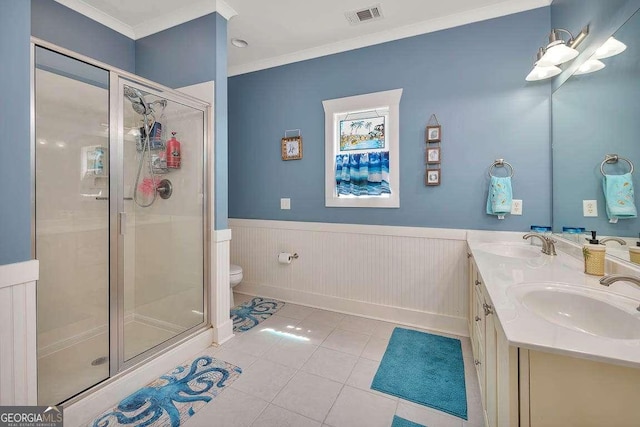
[
  {"x": 285, "y": 203},
  {"x": 590, "y": 207},
  {"x": 516, "y": 207}
]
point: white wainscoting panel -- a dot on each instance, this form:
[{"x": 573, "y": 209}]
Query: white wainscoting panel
[
  {"x": 220, "y": 295},
  {"x": 401, "y": 274},
  {"x": 18, "y": 358}
]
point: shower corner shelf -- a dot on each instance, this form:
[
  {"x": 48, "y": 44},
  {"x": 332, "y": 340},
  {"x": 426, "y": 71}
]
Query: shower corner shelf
[{"x": 160, "y": 147}]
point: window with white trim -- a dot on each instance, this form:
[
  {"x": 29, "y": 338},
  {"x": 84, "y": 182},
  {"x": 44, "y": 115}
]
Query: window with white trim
[{"x": 362, "y": 150}]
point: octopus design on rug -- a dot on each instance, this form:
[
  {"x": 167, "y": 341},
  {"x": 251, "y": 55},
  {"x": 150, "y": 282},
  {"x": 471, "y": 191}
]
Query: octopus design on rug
[
  {"x": 147, "y": 406},
  {"x": 249, "y": 314}
]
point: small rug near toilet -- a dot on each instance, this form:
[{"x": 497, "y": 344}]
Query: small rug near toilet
[
  {"x": 174, "y": 397},
  {"x": 426, "y": 369},
  {"x": 401, "y": 422},
  {"x": 247, "y": 315}
]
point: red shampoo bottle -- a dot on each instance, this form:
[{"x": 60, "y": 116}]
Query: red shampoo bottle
[{"x": 173, "y": 152}]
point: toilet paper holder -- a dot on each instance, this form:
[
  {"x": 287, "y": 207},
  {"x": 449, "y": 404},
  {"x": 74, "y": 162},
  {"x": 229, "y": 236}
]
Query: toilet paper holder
[{"x": 286, "y": 257}]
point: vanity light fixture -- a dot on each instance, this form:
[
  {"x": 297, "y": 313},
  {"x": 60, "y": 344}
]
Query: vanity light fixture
[
  {"x": 541, "y": 72},
  {"x": 610, "y": 48},
  {"x": 590, "y": 66},
  {"x": 558, "y": 51}
]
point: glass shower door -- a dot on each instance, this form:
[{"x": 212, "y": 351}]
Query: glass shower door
[
  {"x": 163, "y": 222},
  {"x": 71, "y": 224}
]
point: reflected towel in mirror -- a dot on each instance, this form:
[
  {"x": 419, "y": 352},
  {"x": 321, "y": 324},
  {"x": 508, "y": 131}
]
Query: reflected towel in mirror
[
  {"x": 500, "y": 196},
  {"x": 619, "y": 196}
]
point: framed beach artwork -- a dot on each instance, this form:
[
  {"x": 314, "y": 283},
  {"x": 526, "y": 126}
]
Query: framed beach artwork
[
  {"x": 291, "y": 148},
  {"x": 433, "y": 155},
  {"x": 362, "y": 134},
  {"x": 432, "y": 177},
  {"x": 434, "y": 133}
]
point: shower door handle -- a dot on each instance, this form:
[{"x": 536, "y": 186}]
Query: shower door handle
[{"x": 123, "y": 223}]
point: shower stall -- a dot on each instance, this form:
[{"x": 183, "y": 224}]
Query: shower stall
[{"x": 120, "y": 217}]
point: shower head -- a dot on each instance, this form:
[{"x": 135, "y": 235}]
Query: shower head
[{"x": 137, "y": 100}]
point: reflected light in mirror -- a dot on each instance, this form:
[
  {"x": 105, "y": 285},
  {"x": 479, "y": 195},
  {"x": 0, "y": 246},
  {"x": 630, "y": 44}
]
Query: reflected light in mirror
[
  {"x": 542, "y": 73},
  {"x": 590, "y": 66},
  {"x": 610, "y": 48}
]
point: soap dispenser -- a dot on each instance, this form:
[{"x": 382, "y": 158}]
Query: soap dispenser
[
  {"x": 634, "y": 252},
  {"x": 593, "y": 253}
]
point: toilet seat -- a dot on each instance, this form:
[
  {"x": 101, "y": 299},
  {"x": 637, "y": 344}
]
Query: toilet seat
[{"x": 235, "y": 270}]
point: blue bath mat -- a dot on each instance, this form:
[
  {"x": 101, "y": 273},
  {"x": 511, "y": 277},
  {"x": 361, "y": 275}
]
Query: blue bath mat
[
  {"x": 174, "y": 397},
  {"x": 247, "y": 315},
  {"x": 426, "y": 369},
  {"x": 401, "y": 422}
]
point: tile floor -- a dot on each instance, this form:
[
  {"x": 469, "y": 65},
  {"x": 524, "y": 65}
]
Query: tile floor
[{"x": 308, "y": 367}]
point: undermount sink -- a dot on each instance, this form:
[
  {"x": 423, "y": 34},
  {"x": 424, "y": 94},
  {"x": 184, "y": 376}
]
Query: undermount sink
[
  {"x": 582, "y": 309},
  {"x": 511, "y": 250}
]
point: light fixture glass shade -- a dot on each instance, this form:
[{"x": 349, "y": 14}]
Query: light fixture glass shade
[
  {"x": 610, "y": 48},
  {"x": 557, "y": 54},
  {"x": 542, "y": 73},
  {"x": 590, "y": 66}
]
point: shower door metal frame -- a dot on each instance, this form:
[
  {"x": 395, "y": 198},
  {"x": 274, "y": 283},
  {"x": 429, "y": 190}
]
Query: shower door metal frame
[
  {"x": 117, "y": 366},
  {"x": 116, "y": 139}
]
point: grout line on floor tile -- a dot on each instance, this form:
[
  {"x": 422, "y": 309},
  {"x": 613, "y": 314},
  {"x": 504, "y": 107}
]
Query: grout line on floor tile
[{"x": 324, "y": 421}]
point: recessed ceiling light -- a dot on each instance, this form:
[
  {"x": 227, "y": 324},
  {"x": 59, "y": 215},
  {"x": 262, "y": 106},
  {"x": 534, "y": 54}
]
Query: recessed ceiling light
[{"x": 239, "y": 43}]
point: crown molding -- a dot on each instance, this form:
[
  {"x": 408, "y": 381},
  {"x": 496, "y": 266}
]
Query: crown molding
[
  {"x": 456, "y": 20},
  {"x": 99, "y": 16},
  {"x": 176, "y": 17},
  {"x": 182, "y": 15},
  {"x": 226, "y": 11}
]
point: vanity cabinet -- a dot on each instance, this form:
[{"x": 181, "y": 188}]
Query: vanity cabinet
[
  {"x": 529, "y": 388},
  {"x": 495, "y": 361}
]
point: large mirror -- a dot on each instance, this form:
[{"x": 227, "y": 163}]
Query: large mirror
[{"x": 595, "y": 115}]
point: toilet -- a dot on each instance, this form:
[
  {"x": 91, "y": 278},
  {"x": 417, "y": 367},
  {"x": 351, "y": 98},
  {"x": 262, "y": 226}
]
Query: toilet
[{"x": 235, "y": 277}]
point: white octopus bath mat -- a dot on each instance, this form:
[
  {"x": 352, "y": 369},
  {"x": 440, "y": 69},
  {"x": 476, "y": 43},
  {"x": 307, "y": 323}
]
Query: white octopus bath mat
[
  {"x": 247, "y": 315},
  {"x": 173, "y": 398}
]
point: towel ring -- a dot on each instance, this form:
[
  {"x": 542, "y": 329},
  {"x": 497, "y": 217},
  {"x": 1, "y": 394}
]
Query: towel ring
[
  {"x": 501, "y": 163},
  {"x": 613, "y": 158}
]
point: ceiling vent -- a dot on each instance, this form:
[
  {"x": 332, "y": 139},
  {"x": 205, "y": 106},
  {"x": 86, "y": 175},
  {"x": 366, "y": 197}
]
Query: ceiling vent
[{"x": 372, "y": 13}]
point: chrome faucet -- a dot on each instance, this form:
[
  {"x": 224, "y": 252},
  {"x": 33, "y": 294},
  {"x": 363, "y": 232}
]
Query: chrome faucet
[
  {"x": 612, "y": 278},
  {"x": 548, "y": 247},
  {"x": 615, "y": 239}
]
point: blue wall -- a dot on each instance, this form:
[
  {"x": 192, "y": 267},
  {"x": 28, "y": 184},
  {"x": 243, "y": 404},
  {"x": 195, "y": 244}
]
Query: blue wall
[
  {"x": 472, "y": 77},
  {"x": 603, "y": 17},
  {"x": 15, "y": 169},
  {"x": 191, "y": 53},
  {"x": 179, "y": 56},
  {"x": 221, "y": 190},
  {"x": 67, "y": 28}
]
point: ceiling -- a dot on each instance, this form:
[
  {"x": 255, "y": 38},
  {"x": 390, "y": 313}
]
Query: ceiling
[{"x": 285, "y": 31}]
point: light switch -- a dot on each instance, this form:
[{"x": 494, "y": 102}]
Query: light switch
[
  {"x": 285, "y": 203},
  {"x": 516, "y": 207},
  {"x": 590, "y": 207}
]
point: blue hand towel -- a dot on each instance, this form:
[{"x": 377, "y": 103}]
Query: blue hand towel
[
  {"x": 500, "y": 196},
  {"x": 618, "y": 195}
]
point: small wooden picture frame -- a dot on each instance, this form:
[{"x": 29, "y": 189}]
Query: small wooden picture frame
[
  {"x": 291, "y": 148},
  {"x": 432, "y": 177},
  {"x": 434, "y": 133},
  {"x": 433, "y": 155}
]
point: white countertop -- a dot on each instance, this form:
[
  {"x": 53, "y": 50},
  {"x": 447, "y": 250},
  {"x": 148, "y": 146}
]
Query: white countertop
[{"x": 526, "y": 329}]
